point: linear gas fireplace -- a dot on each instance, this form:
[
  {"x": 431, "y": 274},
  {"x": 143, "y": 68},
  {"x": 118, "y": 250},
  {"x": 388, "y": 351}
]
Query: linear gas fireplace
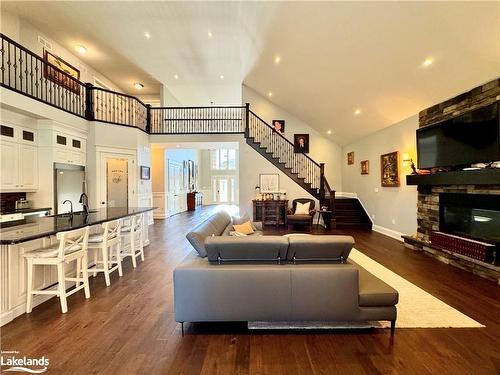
[{"x": 475, "y": 216}]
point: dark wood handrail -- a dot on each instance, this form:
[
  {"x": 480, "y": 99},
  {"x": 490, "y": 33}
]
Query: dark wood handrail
[
  {"x": 94, "y": 88},
  {"x": 280, "y": 135},
  {"x": 27, "y": 51},
  {"x": 207, "y": 107}
]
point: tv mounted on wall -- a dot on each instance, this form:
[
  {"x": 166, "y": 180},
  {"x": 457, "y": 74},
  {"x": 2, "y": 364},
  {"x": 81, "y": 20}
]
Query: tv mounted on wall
[{"x": 473, "y": 137}]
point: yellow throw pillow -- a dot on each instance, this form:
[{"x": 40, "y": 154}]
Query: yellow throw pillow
[{"x": 245, "y": 228}]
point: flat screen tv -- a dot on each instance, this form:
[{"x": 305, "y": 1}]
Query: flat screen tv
[{"x": 473, "y": 137}]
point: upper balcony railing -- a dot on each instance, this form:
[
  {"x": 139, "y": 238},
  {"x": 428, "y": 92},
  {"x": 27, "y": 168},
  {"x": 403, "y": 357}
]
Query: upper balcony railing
[{"x": 31, "y": 75}]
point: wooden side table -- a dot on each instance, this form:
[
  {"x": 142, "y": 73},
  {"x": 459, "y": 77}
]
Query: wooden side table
[{"x": 270, "y": 212}]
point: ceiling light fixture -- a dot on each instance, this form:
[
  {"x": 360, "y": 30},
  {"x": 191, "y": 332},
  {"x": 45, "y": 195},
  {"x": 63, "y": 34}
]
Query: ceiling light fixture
[
  {"x": 221, "y": 76},
  {"x": 329, "y": 132},
  {"x": 81, "y": 49},
  {"x": 176, "y": 76},
  {"x": 269, "y": 94},
  {"x": 147, "y": 35},
  {"x": 428, "y": 62},
  {"x": 210, "y": 34},
  {"x": 277, "y": 59},
  {"x": 357, "y": 111},
  {"x": 138, "y": 86}
]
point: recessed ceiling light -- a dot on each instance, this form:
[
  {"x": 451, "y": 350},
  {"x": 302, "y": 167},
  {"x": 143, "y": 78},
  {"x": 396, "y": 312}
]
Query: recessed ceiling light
[
  {"x": 277, "y": 59},
  {"x": 221, "y": 76},
  {"x": 210, "y": 34},
  {"x": 176, "y": 76},
  {"x": 329, "y": 132},
  {"x": 81, "y": 49},
  {"x": 269, "y": 94},
  {"x": 138, "y": 86},
  {"x": 147, "y": 35},
  {"x": 428, "y": 62},
  {"x": 357, "y": 111}
]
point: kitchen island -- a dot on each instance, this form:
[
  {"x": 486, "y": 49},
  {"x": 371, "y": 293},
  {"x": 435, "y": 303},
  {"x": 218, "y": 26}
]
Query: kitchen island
[{"x": 31, "y": 233}]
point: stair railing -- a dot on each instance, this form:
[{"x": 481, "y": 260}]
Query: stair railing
[{"x": 282, "y": 149}]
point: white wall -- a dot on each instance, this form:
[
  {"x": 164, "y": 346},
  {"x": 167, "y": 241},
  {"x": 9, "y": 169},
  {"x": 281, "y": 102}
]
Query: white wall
[
  {"x": 322, "y": 148},
  {"x": 393, "y": 209}
]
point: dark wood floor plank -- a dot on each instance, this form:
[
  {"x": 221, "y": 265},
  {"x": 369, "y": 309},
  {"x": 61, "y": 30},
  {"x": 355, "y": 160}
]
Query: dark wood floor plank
[{"x": 129, "y": 327}]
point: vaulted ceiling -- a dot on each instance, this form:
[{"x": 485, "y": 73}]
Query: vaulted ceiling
[{"x": 335, "y": 57}]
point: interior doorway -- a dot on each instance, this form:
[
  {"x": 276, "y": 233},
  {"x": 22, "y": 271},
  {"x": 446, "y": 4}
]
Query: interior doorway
[
  {"x": 117, "y": 180},
  {"x": 224, "y": 189}
]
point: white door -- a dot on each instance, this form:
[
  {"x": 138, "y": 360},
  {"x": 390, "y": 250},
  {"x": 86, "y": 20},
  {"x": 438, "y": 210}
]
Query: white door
[
  {"x": 224, "y": 189},
  {"x": 9, "y": 164},
  {"x": 28, "y": 160},
  {"x": 117, "y": 180}
]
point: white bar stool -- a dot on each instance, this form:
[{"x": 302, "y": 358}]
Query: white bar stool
[
  {"x": 108, "y": 245},
  {"x": 72, "y": 246},
  {"x": 132, "y": 238}
]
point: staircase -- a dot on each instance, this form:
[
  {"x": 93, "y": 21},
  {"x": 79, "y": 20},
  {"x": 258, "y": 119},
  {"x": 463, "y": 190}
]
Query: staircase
[
  {"x": 278, "y": 150},
  {"x": 349, "y": 213}
]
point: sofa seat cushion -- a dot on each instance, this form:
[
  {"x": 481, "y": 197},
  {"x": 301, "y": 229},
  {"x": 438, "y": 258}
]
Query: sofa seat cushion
[
  {"x": 246, "y": 249},
  {"x": 319, "y": 248},
  {"x": 374, "y": 292}
]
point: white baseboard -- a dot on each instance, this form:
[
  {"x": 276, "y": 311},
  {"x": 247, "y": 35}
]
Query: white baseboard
[
  {"x": 388, "y": 232},
  {"x": 345, "y": 194}
]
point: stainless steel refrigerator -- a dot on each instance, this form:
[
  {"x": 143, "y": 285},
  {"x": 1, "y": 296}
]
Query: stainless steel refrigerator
[{"x": 69, "y": 183}]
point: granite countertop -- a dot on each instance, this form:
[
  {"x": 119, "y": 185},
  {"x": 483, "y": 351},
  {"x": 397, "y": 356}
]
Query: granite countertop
[
  {"x": 25, "y": 210},
  {"x": 31, "y": 228}
]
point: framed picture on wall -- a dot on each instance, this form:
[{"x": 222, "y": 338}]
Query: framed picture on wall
[
  {"x": 57, "y": 76},
  {"x": 145, "y": 173},
  {"x": 365, "y": 167},
  {"x": 269, "y": 183},
  {"x": 301, "y": 143},
  {"x": 279, "y": 126},
  {"x": 389, "y": 169},
  {"x": 350, "y": 158}
]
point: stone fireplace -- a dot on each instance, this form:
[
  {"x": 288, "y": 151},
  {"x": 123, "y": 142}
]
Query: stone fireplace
[{"x": 481, "y": 185}]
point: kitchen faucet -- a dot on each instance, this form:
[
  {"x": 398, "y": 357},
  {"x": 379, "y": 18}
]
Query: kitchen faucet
[
  {"x": 84, "y": 200},
  {"x": 71, "y": 206}
]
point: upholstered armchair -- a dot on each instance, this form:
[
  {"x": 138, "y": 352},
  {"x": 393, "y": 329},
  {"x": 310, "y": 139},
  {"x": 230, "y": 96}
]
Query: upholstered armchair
[{"x": 301, "y": 219}]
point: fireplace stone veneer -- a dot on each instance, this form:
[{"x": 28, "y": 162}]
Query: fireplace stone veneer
[{"x": 428, "y": 196}]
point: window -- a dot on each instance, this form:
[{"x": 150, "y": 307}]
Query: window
[{"x": 223, "y": 159}]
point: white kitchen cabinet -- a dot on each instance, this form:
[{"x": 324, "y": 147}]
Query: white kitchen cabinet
[
  {"x": 10, "y": 165},
  {"x": 19, "y": 159},
  {"x": 69, "y": 149},
  {"x": 28, "y": 166}
]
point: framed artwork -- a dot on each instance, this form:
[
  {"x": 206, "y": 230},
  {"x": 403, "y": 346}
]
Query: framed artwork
[
  {"x": 279, "y": 126},
  {"x": 301, "y": 143},
  {"x": 56, "y": 76},
  {"x": 145, "y": 173},
  {"x": 269, "y": 183},
  {"x": 365, "y": 167},
  {"x": 350, "y": 158},
  {"x": 389, "y": 169}
]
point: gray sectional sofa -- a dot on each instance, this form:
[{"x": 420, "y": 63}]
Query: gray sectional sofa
[{"x": 276, "y": 278}]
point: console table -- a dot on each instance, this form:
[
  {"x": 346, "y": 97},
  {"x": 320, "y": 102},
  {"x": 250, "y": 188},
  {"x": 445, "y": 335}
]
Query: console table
[{"x": 270, "y": 212}]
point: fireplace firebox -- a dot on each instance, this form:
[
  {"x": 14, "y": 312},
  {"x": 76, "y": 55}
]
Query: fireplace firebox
[{"x": 475, "y": 216}]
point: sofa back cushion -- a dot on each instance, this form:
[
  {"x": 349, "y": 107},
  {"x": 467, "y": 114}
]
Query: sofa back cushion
[
  {"x": 246, "y": 249},
  {"x": 214, "y": 226},
  {"x": 319, "y": 248}
]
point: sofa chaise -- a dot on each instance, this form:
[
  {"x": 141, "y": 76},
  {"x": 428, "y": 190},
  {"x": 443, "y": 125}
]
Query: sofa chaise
[{"x": 276, "y": 278}]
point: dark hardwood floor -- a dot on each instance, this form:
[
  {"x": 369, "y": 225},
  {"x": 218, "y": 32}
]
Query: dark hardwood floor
[{"x": 129, "y": 327}]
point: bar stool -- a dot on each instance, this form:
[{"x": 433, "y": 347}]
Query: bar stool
[
  {"x": 132, "y": 239},
  {"x": 108, "y": 244},
  {"x": 72, "y": 246}
]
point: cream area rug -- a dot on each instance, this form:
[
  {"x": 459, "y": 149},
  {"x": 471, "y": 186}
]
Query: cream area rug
[{"x": 416, "y": 307}]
